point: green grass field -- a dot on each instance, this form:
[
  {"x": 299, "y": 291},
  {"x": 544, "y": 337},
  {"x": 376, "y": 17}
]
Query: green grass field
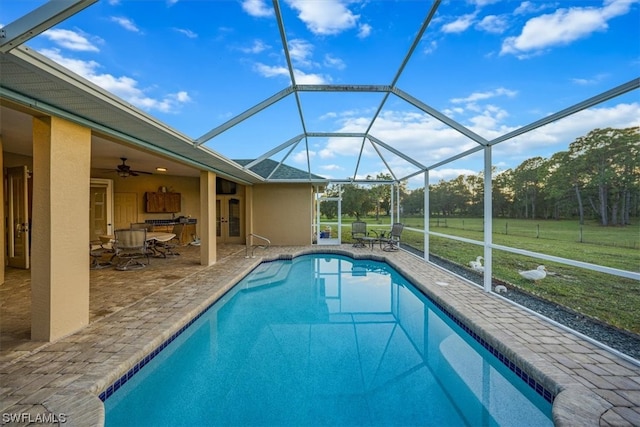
[{"x": 611, "y": 299}]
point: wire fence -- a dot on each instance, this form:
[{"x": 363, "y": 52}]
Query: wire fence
[{"x": 624, "y": 237}]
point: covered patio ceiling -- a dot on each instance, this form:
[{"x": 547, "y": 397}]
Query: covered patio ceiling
[{"x": 285, "y": 124}]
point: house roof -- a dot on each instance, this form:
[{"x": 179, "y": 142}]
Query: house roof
[{"x": 274, "y": 171}]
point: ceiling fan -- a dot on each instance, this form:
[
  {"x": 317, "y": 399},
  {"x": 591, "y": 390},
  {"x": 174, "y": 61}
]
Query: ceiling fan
[{"x": 124, "y": 170}]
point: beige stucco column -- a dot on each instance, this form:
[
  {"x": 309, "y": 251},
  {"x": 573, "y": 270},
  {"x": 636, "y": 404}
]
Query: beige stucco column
[
  {"x": 4, "y": 243},
  {"x": 60, "y": 230},
  {"x": 208, "y": 242}
]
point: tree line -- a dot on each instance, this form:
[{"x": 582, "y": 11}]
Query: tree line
[{"x": 598, "y": 177}]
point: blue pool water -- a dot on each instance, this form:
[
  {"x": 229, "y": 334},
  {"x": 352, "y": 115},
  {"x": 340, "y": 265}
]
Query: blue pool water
[{"x": 325, "y": 340}]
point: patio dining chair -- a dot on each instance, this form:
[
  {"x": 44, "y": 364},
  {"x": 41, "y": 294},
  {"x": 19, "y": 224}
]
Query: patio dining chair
[
  {"x": 130, "y": 246},
  {"x": 360, "y": 236},
  {"x": 167, "y": 248},
  {"x": 97, "y": 250},
  {"x": 391, "y": 241}
]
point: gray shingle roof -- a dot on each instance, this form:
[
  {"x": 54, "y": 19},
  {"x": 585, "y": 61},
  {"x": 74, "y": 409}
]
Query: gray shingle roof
[{"x": 283, "y": 172}]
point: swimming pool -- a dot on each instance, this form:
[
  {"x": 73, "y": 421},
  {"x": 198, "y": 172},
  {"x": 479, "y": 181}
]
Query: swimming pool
[{"x": 325, "y": 340}]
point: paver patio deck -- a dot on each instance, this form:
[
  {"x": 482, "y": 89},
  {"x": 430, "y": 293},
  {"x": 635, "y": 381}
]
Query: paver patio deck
[{"x": 131, "y": 313}]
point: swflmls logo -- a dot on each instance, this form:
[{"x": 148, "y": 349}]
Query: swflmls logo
[{"x": 34, "y": 418}]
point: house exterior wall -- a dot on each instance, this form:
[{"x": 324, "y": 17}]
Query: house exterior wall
[
  {"x": 282, "y": 213},
  {"x": 188, "y": 187}
]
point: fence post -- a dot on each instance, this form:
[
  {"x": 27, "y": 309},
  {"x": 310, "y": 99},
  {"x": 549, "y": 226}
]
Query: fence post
[
  {"x": 537, "y": 231},
  {"x": 580, "y": 233},
  {"x": 506, "y": 228}
]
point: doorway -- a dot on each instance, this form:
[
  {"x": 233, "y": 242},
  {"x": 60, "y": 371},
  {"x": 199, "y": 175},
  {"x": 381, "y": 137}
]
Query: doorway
[
  {"x": 229, "y": 219},
  {"x": 328, "y": 221},
  {"x": 18, "y": 217},
  {"x": 100, "y": 208}
]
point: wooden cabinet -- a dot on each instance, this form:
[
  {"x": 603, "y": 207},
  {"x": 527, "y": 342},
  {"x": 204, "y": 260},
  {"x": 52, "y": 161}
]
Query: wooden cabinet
[
  {"x": 163, "y": 202},
  {"x": 188, "y": 234}
]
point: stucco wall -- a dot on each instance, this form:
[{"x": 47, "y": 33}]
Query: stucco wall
[
  {"x": 188, "y": 187},
  {"x": 282, "y": 213}
]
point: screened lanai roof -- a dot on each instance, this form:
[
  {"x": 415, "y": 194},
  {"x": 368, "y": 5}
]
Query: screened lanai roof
[{"x": 344, "y": 90}]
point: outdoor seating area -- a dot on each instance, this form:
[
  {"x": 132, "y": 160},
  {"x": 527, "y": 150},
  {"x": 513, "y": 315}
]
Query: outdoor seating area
[
  {"x": 132, "y": 248},
  {"x": 389, "y": 240}
]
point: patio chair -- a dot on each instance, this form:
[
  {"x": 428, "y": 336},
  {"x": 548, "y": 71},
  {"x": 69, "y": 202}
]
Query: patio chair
[
  {"x": 360, "y": 236},
  {"x": 166, "y": 248},
  {"x": 130, "y": 246},
  {"x": 97, "y": 250},
  {"x": 391, "y": 241}
]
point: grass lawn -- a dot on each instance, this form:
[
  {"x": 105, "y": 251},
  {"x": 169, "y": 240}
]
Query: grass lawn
[{"x": 612, "y": 299}]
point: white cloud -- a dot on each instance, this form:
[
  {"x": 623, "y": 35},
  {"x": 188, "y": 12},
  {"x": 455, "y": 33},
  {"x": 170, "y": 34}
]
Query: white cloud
[
  {"x": 565, "y": 131},
  {"x": 333, "y": 62},
  {"x": 459, "y": 25},
  {"x": 430, "y": 47},
  {"x": 124, "y": 87},
  {"x": 258, "y": 46},
  {"x": 447, "y": 174},
  {"x": 364, "y": 31},
  {"x": 429, "y": 141},
  {"x": 271, "y": 71},
  {"x": 300, "y": 76},
  {"x": 331, "y": 167},
  {"x": 257, "y": 8},
  {"x": 493, "y": 24},
  {"x": 589, "y": 81},
  {"x": 310, "y": 78},
  {"x": 125, "y": 23},
  {"x": 528, "y": 7},
  {"x": 325, "y": 17},
  {"x": 190, "y": 34},
  {"x": 480, "y": 96},
  {"x": 563, "y": 27},
  {"x": 300, "y": 157},
  {"x": 70, "y": 40},
  {"x": 300, "y": 51}
]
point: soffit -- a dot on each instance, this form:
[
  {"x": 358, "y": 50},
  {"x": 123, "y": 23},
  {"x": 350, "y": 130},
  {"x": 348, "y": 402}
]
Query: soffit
[{"x": 31, "y": 79}]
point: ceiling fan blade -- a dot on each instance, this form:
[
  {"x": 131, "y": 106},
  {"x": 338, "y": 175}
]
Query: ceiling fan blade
[{"x": 139, "y": 172}]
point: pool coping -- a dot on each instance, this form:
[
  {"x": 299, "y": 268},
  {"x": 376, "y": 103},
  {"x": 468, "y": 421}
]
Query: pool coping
[{"x": 76, "y": 392}]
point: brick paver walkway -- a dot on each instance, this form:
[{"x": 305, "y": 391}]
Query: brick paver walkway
[{"x": 130, "y": 318}]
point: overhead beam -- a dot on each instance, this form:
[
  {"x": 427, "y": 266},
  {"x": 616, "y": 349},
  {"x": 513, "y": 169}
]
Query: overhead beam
[
  {"x": 605, "y": 96},
  {"x": 286, "y": 156},
  {"x": 441, "y": 117},
  {"x": 287, "y": 54},
  {"x": 243, "y": 116},
  {"x": 343, "y": 88},
  {"x": 275, "y": 150},
  {"x": 456, "y": 157},
  {"x": 39, "y": 20},
  {"x": 375, "y": 147},
  {"x": 416, "y": 41},
  {"x": 336, "y": 134},
  {"x": 396, "y": 152}
]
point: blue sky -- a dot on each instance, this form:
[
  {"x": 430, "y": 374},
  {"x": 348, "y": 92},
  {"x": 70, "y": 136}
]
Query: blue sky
[{"x": 492, "y": 66}]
